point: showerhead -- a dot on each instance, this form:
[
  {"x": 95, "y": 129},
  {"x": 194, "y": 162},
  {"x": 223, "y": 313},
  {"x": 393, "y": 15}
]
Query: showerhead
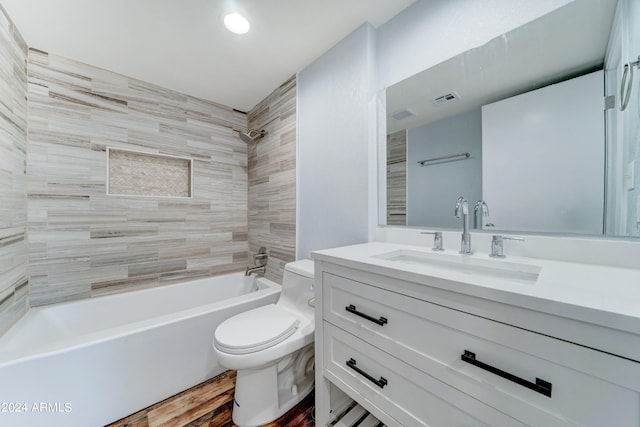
[
  {"x": 246, "y": 138},
  {"x": 252, "y": 136}
]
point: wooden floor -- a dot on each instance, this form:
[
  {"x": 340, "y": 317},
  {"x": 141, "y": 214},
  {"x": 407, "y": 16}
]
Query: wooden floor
[{"x": 209, "y": 405}]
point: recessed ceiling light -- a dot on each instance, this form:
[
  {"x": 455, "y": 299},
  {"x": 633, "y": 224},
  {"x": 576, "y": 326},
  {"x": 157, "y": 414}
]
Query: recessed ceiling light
[{"x": 236, "y": 23}]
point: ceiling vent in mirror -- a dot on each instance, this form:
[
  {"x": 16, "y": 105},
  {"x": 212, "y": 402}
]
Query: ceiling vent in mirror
[
  {"x": 402, "y": 114},
  {"x": 446, "y": 98}
]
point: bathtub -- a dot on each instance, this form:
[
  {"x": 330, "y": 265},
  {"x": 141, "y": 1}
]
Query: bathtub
[{"x": 92, "y": 362}]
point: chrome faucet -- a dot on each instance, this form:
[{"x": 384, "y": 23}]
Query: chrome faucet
[
  {"x": 260, "y": 267},
  {"x": 462, "y": 205},
  {"x": 481, "y": 206}
]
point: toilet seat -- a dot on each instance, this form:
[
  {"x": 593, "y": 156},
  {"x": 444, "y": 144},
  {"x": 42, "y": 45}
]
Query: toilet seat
[{"x": 255, "y": 330}]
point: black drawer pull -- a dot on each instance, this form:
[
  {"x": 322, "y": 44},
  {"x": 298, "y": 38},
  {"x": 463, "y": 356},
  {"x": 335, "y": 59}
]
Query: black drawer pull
[
  {"x": 352, "y": 309},
  {"x": 380, "y": 383},
  {"x": 541, "y": 386}
]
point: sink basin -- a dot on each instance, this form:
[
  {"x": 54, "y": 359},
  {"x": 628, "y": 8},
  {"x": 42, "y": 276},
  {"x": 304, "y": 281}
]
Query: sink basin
[{"x": 493, "y": 268}]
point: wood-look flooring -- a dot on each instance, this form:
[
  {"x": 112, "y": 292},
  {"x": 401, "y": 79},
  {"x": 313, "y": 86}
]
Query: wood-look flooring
[{"x": 209, "y": 405}]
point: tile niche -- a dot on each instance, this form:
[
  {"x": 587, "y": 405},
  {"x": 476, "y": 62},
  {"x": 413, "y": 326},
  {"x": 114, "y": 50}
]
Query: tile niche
[{"x": 134, "y": 173}]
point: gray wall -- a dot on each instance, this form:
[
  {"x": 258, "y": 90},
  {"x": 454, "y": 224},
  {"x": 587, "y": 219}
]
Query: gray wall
[
  {"x": 336, "y": 179},
  {"x": 272, "y": 179},
  {"x": 432, "y": 190},
  {"x": 84, "y": 243},
  {"x": 13, "y": 147}
]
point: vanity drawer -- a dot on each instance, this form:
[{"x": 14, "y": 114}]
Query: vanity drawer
[
  {"x": 433, "y": 339},
  {"x": 406, "y": 395}
]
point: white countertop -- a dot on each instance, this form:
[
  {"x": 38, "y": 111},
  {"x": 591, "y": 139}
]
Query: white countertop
[{"x": 603, "y": 295}]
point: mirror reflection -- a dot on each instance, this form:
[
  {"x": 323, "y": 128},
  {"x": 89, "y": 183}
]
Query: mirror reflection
[{"x": 528, "y": 128}]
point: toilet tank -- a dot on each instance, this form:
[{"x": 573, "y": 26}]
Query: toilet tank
[{"x": 297, "y": 284}]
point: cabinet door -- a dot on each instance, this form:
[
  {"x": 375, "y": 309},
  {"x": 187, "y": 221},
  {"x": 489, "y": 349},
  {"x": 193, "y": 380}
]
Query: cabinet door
[
  {"x": 433, "y": 339},
  {"x": 407, "y": 396}
]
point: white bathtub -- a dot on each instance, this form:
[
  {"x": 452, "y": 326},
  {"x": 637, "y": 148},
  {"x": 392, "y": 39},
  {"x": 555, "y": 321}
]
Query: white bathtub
[{"x": 92, "y": 362}]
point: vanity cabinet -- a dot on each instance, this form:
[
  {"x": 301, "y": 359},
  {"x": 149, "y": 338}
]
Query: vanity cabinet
[{"x": 413, "y": 354}]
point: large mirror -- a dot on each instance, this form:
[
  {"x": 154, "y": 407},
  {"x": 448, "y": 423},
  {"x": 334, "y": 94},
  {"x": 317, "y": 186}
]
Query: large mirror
[{"x": 528, "y": 128}]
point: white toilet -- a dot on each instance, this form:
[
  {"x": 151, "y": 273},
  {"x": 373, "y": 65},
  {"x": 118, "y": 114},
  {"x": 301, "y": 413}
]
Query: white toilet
[{"x": 271, "y": 347}]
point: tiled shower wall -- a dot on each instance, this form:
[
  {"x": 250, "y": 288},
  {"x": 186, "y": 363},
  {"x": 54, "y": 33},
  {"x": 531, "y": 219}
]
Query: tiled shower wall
[
  {"x": 397, "y": 178},
  {"x": 272, "y": 179},
  {"x": 83, "y": 242},
  {"x": 13, "y": 147}
]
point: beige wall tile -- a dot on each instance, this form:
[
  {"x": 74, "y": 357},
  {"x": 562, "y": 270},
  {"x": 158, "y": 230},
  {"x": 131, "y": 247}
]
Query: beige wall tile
[
  {"x": 84, "y": 242},
  {"x": 272, "y": 179},
  {"x": 397, "y": 178},
  {"x": 13, "y": 146}
]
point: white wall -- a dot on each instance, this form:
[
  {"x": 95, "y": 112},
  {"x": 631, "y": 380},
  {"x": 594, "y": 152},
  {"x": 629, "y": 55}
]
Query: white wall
[
  {"x": 543, "y": 158},
  {"x": 616, "y": 202},
  {"x": 623, "y": 192},
  {"x": 336, "y": 186},
  {"x": 432, "y": 31},
  {"x": 630, "y": 118}
]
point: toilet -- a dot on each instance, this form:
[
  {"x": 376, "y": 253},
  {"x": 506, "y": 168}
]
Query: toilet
[{"x": 271, "y": 348}]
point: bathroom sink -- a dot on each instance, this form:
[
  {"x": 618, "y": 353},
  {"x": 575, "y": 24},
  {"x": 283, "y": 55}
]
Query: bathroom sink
[{"x": 467, "y": 264}]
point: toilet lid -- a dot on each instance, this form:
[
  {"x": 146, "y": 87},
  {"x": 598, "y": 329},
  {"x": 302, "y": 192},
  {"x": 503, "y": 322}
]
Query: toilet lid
[{"x": 255, "y": 330}]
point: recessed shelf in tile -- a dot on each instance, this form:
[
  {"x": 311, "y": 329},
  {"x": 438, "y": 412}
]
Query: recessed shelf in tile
[{"x": 134, "y": 173}]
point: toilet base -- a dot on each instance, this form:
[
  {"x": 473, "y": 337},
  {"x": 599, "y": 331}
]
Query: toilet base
[{"x": 265, "y": 394}]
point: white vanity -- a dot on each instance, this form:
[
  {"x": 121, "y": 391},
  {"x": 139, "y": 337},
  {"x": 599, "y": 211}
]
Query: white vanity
[
  {"x": 549, "y": 335},
  {"x": 420, "y": 337}
]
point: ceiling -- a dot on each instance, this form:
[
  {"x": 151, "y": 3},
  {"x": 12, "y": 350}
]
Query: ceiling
[
  {"x": 565, "y": 43},
  {"x": 182, "y": 44}
]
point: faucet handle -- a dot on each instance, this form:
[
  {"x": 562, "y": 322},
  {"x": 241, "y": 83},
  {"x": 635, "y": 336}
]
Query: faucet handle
[
  {"x": 437, "y": 239},
  {"x": 260, "y": 255},
  {"x": 496, "y": 245}
]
